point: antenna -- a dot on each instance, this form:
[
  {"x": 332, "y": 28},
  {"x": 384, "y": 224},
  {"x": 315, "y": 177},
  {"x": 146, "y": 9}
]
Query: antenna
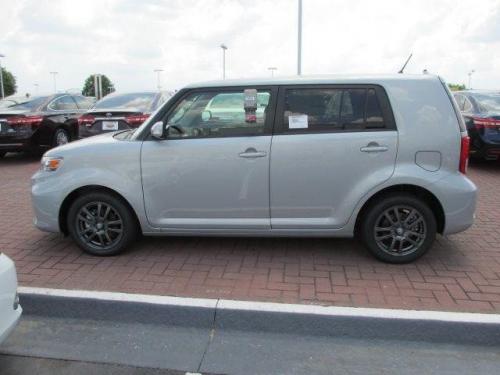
[{"x": 406, "y": 63}]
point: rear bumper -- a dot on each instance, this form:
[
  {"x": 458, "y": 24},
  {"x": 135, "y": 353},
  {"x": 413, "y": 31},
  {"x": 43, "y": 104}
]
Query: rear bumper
[
  {"x": 481, "y": 148},
  {"x": 14, "y": 144},
  {"x": 458, "y": 196},
  {"x": 85, "y": 132}
]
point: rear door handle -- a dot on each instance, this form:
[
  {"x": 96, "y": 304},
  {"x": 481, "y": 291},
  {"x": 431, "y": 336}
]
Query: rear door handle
[
  {"x": 374, "y": 147},
  {"x": 251, "y": 153}
]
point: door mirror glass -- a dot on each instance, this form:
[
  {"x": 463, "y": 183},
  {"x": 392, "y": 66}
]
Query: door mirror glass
[
  {"x": 206, "y": 115},
  {"x": 157, "y": 130}
]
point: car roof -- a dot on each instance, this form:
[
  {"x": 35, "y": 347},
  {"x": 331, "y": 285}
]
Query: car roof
[
  {"x": 113, "y": 94},
  {"x": 315, "y": 79}
]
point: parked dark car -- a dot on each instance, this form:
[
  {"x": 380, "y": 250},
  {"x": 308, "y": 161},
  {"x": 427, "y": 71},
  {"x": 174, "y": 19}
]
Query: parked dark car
[
  {"x": 481, "y": 112},
  {"x": 119, "y": 112},
  {"x": 41, "y": 123}
]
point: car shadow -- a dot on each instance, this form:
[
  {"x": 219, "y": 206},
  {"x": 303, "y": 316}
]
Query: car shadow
[
  {"x": 12, "y": 158},
  {"x": 484, "y": 165}
]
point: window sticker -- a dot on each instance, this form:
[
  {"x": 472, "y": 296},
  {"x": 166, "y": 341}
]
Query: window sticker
[{"x": 298, "y": 122}]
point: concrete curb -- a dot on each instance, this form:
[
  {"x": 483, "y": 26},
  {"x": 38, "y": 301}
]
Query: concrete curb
[{"x": 427, "y": 326}]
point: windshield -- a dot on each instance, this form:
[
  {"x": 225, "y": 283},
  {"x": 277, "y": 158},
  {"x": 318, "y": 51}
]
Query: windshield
[
  {"x": 30, "y": 104},
  {"x": 139, "y": 101},
  {"x": 488, "y": 102}
]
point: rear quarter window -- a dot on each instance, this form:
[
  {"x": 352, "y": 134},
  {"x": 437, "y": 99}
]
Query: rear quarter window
[{"x": 341, "y": 109}]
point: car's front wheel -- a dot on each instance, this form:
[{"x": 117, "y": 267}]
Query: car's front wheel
[
  {"x": 101, "y": 224},
  {"x": 398, "y": 228}
]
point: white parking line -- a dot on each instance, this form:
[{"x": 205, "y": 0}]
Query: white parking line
[{"x": 221, "y": 304}]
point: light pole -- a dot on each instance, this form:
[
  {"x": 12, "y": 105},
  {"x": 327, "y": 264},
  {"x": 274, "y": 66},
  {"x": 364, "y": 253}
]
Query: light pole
[
  {"x": 158, "y": 71},
  {"x": 1, "y": 78},
  {"x": 470, "y": 78},
  {"x": 224, "y": 48},
  {"x": 272, "y": 69},
  {"x": 54, "y": 74},
  {"x": 299, "y": 41}
]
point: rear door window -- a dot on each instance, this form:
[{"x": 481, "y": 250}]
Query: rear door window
[
  {"x": 64, "y": 103},
  {"x": 84, "y": 102},
  {"x": 460, "y": 99},
  {"x": 332, "y": 109}
]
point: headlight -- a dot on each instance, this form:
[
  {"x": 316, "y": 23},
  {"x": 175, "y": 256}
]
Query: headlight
[{"x": 51, "y": 164}]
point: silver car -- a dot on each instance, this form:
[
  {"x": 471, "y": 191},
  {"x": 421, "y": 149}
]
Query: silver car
[{"x": 380, "y": 157}]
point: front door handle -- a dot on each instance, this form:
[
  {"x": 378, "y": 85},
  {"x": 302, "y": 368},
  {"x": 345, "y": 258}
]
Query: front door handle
[
  {"x": 251, "y": 153},
  {"x": 374, "y": 147}
]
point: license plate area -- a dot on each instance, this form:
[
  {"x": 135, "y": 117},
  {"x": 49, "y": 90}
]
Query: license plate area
[{"x": 109, "y": 125}]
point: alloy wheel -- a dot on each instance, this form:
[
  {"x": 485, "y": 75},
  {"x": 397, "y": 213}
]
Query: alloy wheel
[
  {"x": 61, "y": 138},
  {"x": 400, "y": 230},
  {"x": 99, "y": 225}
]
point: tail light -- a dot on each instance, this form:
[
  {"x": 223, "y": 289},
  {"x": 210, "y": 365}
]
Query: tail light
[
  {"x": 136, "y": 120},
  {"x": 485, "y": 122},
  {"x": 25, "y": 120},
  {"x": 464, "y": 154},
  {"x": 86, "y": 120}
]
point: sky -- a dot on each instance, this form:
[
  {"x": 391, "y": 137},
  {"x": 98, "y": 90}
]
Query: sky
[{"x": 128, "y": 39}]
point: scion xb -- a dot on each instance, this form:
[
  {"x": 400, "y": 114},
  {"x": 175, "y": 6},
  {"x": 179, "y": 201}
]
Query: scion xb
[{"x": 379, "y": 157}]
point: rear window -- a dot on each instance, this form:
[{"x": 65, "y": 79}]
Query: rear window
[
  {"x": 488, "y": 102},
  {"x": 332, "y": 109},
  {"x": 31, "y": 104},
  {"x": 138, "y": 101}
]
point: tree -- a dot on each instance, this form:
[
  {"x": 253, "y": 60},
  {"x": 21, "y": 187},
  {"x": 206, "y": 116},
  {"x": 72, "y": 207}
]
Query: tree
[
  {"x": 456, "y": 86},
  {"x": 9, "y": 82},
  {"x": 88, "y": 86}
]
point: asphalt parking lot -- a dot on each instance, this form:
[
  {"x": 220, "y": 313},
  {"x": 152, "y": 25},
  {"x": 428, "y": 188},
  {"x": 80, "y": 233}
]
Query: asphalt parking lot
[{"x": 460, "y": 273}]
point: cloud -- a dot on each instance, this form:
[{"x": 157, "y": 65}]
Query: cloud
[{"x": 127, "y": 39}]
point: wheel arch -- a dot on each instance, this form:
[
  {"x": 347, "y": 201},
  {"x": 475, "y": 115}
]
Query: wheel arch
[
  {"x": 420, "y": 192},
  {"x": 71, "y": 197}
]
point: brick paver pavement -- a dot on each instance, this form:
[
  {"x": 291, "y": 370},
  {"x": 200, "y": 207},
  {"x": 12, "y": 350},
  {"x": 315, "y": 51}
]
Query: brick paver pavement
[{"x": 460, "y": 273}]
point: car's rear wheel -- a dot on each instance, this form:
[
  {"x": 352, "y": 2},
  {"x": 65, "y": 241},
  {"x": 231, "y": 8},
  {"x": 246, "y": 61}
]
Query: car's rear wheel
[
  {"x": 398, "y": 228},
  {"x": 61, "y": 137},
  {"x": 101, "y": 224}
]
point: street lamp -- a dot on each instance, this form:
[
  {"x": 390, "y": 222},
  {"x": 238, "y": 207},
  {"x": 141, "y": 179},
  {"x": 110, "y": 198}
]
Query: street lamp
[
  {"x": 272, "y": 69},
  {"x": 299, "y": 41},
  {"x": 54, "y": 74},
  {"x": 224, "y": 48},
  {"x": 470, "y": 78},
  {"x": 158, "y": 71},
  {"x": 1, "y": 78}
]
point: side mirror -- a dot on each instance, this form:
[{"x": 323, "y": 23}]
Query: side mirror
[
  {"x": 206, "y": 115},
  {"x": 157, "y": 130}
]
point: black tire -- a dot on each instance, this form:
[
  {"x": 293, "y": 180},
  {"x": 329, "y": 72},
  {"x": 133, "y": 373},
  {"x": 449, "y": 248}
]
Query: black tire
[
  {"x": 2, "y": 154},
  {"x": 84, "y": 228},
  {"x": 418, "y": 226},
  {"x": 61, "y": 137}
]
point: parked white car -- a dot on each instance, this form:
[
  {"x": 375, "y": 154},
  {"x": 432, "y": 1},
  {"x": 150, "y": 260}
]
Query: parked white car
[{"x": 10, "y": 310}]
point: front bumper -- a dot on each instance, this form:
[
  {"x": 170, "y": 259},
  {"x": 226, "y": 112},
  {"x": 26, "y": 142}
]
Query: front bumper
[
  {"x": 46, "y": 200},
  {"x": 9, "y": 316}
]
